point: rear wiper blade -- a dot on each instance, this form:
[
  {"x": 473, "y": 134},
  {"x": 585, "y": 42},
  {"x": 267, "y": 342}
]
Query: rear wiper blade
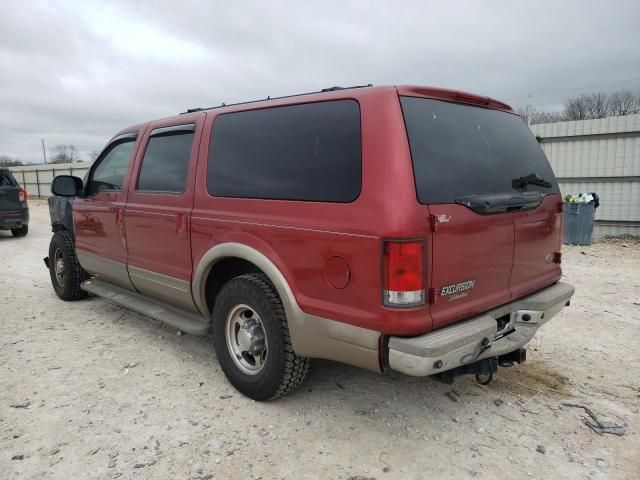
[
  {"x": 521, "y": 183},
  {"x": 491, "y": 203}
]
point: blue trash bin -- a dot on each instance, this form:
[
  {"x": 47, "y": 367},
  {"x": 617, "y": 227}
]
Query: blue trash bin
[{"x": 578, "y": 223}]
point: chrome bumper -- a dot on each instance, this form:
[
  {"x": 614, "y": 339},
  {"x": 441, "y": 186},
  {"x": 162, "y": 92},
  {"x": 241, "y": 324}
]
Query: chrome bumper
[{"x": 478, "y": 338}]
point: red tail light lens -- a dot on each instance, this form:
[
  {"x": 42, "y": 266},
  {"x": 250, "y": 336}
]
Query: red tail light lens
[
  {"x": 22, "y": 195},
  {"x": 403, "y": 274}
]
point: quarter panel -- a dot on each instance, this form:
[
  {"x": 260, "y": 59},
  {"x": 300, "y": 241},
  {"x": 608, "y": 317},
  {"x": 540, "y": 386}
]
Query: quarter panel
[
  {"x": 300, "y": 254},
  {"x": 311, "y": 336}
]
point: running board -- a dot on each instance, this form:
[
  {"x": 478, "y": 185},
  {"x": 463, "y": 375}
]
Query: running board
[{"x": 177, "y": 318}]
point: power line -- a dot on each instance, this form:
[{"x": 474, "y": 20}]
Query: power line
[
  {"x": 543, "y": 104},
  {"x": 560, "y": 92}
]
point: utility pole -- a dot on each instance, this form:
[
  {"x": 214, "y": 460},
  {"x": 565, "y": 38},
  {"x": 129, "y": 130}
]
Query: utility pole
[{"x": 44, "y": 152}]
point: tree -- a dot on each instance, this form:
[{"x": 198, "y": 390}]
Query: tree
[
  {"x": 64, "y": 154},
  {"x": 576, "y": 108},
  {"x": 534, "y": 116},
  {"x": 7, "y": 161},
  {"x": 624, "y": 103},
  {"x": 601, "y": 105},
  {"x": 586, "y": 107},
  {"x": 93, "y": 155},
  {"x": 527, "y": 113},
  {"x": 597, "y": 105},
  {"x": 550, "y": 117}
]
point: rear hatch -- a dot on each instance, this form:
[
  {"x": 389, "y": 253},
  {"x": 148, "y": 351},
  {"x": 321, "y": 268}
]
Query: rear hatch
[
  {"x": 9, "y": 192},
  {"x": 492, "y": 200}
]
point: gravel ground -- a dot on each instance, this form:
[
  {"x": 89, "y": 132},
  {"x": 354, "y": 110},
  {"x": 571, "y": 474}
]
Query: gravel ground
[{"x": 88, "y": 389}]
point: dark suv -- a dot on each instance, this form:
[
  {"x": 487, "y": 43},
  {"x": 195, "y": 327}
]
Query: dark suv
[
  {"x": 14, "y": 210},
  {"x": 407, "y": 228}
]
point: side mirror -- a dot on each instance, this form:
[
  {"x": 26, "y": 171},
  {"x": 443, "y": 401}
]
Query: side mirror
[{"x": 66, "y": 186}]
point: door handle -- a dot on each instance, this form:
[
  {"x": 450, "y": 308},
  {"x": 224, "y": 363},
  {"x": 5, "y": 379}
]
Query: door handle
[
  {"x": 182, "y": 226},
  {"x": 118, "y": 212}
]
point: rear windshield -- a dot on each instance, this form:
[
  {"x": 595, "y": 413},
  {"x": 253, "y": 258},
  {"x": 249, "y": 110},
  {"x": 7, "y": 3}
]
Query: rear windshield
[
  {"x": 6, "y": 179},
  {"x": 460, "y": 150}
]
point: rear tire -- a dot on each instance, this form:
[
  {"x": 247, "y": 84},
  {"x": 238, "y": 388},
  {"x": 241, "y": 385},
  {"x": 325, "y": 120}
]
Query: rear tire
[
  {"x": 20, "y": 232},
  {"x": 64, "y": 268},
  {"x": 251, "y": 339}
]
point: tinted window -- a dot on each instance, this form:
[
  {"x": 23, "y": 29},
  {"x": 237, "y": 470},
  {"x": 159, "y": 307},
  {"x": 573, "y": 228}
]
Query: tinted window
[
  {"x": 459, "y": 150},
  {"x": 166, "y": 162},
  {"x": 299, "y": 152},
  {"x": 110, "y": 172},
  {"x": 6, "y": 179}
]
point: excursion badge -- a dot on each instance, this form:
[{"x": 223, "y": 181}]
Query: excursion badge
[{"x": 458, "y": 290}]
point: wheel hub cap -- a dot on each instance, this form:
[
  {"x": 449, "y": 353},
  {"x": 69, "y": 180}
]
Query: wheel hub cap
[
  {"x": 251, "y": 338},
  {"x": 246, "y": 339},
  {"x": 58, "y": 267}
]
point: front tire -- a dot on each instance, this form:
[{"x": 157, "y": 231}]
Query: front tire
[
  {"x": 20, "y": 232},
  {"x": 64, "y": 268},
  {"x": 252, "y": 342}
]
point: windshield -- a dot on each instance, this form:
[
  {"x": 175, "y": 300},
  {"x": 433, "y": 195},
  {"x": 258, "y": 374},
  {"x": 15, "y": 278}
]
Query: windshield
[{"x": 460, "y": 150}]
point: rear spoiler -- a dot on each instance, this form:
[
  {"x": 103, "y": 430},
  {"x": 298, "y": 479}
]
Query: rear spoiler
[{"x": 458, "y": 96}]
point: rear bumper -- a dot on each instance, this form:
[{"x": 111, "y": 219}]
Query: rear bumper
[
  {"x": 478, "y": 338},
  {"x": 14, "y": 218}
]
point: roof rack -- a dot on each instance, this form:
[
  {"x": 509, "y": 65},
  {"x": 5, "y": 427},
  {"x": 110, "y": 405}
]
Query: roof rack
[{"x": 324, "y": 90}]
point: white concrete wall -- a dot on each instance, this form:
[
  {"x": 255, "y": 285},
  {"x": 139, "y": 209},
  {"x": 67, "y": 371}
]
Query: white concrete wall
[
  {"x": 36, "y": 179},
  {"x": 586, "y": 154}
]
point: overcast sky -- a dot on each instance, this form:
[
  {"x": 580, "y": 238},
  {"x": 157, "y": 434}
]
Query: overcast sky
[{"x": 77, "y": 72}]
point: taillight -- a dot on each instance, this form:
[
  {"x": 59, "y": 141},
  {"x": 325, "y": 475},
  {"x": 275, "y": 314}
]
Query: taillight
[
  {"x": 403, "y": 275},
  {"x": 22, "y": 195}
]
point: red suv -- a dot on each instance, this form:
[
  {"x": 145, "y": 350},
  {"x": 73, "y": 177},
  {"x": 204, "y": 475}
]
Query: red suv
[{"x": 407, "y": 228}]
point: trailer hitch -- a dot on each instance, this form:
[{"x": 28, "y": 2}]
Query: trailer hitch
[
  {"x": 484, "y": 369},
  {"x": 484, "y": 379}
]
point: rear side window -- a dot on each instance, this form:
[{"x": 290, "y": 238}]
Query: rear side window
[
  {"x": 460, "y": 150},
  {"x": 166, "y": 160},
  {"x": 300, "y": 152}
]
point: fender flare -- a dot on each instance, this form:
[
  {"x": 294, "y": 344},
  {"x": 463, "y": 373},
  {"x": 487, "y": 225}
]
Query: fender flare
[{"x": 244, "y": 252}]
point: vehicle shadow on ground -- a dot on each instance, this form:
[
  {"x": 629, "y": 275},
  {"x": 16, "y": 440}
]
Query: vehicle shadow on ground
[
  {"x": 358, "y": 391},
  {"x": 7, "y": 235},
  {"x": 327, "y": 376}
]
